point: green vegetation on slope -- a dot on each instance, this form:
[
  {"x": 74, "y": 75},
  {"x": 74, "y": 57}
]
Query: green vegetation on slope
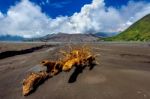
[{"x": 139, "y": 31}]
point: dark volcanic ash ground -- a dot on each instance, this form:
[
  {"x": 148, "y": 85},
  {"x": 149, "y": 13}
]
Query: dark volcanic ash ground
[{"x": 123, "y": 72}]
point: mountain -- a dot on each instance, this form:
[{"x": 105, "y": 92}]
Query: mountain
[
  {"x": 64, "y": 37},
  {"x": 11, "y": 38},
  {"x": 139, "y": 31},
  {"x": 105, "y": 34}
]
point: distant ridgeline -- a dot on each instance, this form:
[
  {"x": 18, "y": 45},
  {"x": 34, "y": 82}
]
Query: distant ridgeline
[
  {"x": 61, "y": 37},
  {"x": 73, "y": 37},
  {"x": 11, "y": 38},
  {"x": 105, "y": 34},
  {"x": 139, "y": 31},
  {"x": 64, "y": 37}
]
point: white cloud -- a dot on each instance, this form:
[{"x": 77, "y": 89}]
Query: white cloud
[
  {"x": 1, "y": 15},
  {"x": 26, "y": 19}
]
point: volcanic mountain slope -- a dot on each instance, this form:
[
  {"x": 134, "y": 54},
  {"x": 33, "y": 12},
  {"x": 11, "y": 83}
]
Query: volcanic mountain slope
[
  {"x": 63, "y": 37},
  {"x": 139, "y": 31}
]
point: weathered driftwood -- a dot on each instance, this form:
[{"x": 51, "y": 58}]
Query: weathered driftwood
[
  {"x": 77, "y": 57},
  {"x": 53, "y": 67},
  {"x": 32, "y": 81}
]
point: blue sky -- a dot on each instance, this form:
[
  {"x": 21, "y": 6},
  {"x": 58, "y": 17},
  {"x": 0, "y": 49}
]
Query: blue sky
[
  {"x": 30, "y": 18},
  {"x": 54, "y": 8}
]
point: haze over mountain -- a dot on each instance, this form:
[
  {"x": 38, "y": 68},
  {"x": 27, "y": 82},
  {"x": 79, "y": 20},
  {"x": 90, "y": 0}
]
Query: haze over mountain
[
  {"x": 106, "y": 34},
  {"x": 64, "y": 37},
  {"x": 61, "y": 37},
  {"x": 139, "y": 31},
  {"x": 11, "y": 38}
]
